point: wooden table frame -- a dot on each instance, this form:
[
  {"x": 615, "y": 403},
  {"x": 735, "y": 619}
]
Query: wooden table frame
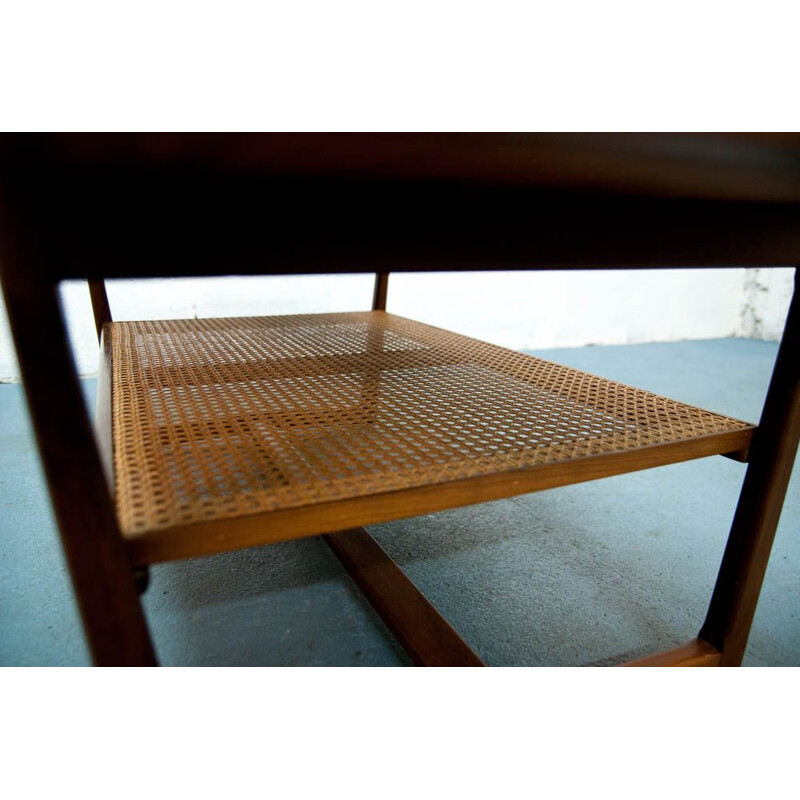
[{"x": 148, "y": 218}]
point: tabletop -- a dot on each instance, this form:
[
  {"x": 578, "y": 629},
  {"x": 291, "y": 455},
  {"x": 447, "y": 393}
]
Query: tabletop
[{"x": 138, "y": 205}]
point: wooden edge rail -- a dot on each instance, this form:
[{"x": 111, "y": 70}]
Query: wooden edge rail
[
  {"x": 423, "y": 632},
  {"x": 219, "y": 535},
  {"x": 696, "y": 653}
]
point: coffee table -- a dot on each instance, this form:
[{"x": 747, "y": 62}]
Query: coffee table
[{"x": 213, "y": 435}]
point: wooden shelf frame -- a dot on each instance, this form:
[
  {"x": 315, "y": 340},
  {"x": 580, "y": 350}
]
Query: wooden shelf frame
[{"x": 418, "y": 419}]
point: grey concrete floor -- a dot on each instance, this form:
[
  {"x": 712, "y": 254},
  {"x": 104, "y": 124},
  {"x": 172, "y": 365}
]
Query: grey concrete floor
[{"x": 595, "y": 573}]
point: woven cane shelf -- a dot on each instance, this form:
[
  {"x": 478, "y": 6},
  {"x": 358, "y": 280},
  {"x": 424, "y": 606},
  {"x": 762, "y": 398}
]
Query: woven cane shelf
[{"x": 231, "y": 432}]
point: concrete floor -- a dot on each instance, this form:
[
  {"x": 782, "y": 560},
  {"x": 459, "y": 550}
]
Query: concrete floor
[{"x": 589, "y": 574}]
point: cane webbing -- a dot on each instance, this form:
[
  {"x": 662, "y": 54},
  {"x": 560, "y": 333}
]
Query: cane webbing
[{"x": 219, "y": 418}]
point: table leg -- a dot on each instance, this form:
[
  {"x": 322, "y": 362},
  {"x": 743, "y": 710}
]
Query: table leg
[
  {"x": 100, "y": 306},
  {"x": 772, "y": 456},
  {"x": 381, "y": 289},
  {"x": 102, "y": 575}
]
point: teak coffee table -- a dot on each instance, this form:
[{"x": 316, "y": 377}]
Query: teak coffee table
[{"x": 218, "y": 434}]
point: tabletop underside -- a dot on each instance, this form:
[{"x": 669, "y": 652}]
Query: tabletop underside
[{"x": 147, "y": 205}]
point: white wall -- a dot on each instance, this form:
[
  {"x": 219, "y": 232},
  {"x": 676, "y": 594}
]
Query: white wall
[
  {"x": 767, "y": 295},
  {"x": 521, "y": 310}
]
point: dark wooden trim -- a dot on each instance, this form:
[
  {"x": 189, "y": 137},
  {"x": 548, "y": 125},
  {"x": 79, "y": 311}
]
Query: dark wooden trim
[
  {"x": 381, "y": 289},
  {"x": 733, "y": 166},
  {"x": 100, "y": 306},
  {"x": 696, "y": 653},
  {"x": 423, "y": 632},
  {"x": 101, "y": 572},
  {"x": 173, "y": 220},
  {"x": 772, "y": 456},
  {"x": 217, "y": 536}
]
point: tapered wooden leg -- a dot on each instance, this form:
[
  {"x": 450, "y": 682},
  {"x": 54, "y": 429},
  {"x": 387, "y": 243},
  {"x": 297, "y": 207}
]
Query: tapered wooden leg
[
  {"x": 381, "y": 289},
  {"x": 772, "y": 455},
  {"x": 101, "y": 573},
  {"x": 100, "y": 307},
  {"x": 371, "y": 380}
]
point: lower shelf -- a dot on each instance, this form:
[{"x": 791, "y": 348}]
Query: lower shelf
[{"x": 233, "y": 432}]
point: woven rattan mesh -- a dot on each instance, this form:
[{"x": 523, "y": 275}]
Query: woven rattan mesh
[{"x": 225, "y": 417}]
